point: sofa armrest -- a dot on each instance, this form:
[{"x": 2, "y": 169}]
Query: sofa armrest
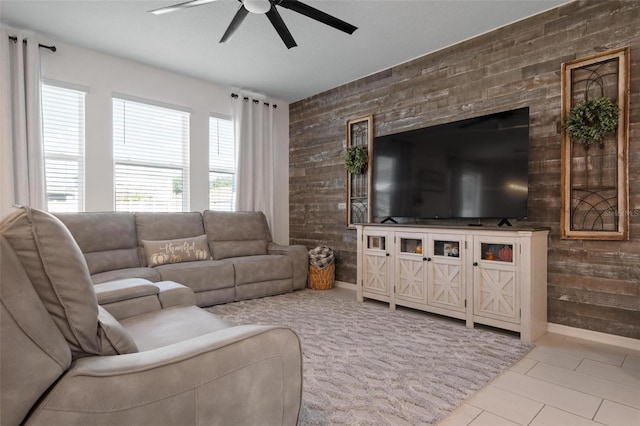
[
  {"x": 119, "y": 290},
  {"x": 299, "y": 259},
  {"x": 135, "y": 296},
  {"x": 172, "y": 293},
  {"x": 239, "y": 375}
]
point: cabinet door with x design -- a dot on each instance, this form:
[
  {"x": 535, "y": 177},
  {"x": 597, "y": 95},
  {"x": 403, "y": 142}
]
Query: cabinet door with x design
[
  {"x": 377, "y": 267},
  {"x": 495, "y": 277},
  {"x": 411, "y": 273},
  {"x": 446, "y": 286}
]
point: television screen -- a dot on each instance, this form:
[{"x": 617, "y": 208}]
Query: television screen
[{"x": 475, "y": 168}]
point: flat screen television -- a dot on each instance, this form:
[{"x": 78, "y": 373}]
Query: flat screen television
[{"x": 470, "y": 169}]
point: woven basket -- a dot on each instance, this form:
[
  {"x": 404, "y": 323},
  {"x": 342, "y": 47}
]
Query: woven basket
[{"x": 322, "y": 279}]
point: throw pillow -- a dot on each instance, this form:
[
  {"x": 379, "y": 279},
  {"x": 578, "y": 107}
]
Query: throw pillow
[{"x": 174, "y": 251}]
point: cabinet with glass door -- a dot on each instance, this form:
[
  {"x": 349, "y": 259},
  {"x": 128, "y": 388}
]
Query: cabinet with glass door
[
  {"x": 487, "y": 276},
  {"x": 376, "y": 266},
  {"x": 446, "y": 292},
  {"x": 411, "y": 273},
  {"x": 495, "y": 277}
]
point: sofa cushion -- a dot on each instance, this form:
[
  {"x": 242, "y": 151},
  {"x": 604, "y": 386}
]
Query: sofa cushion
[
  {"x": 176, "y": 251},
  {"x": 59, "y": 274},
  {"x": 177, "y": 323},
  {"x": 107, "y": 239},
  {"x": 216, "y": 297},
  {"x": 255, "y": 269},
  {"x": 234, "y": 234},
  {"x": 111, "y": 260},
  {"x": 200, "y": 276},
  {"x": 120, "y": 274},
  {"x": 263, "y": 289}
]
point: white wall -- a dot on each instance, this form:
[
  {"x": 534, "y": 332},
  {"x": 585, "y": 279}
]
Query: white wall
[{"x": 103, "y": 75}]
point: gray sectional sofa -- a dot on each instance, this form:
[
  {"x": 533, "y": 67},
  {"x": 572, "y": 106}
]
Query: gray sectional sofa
[
  {"x": 150, "y": 359},
  {"x": 231, "y": 255}
]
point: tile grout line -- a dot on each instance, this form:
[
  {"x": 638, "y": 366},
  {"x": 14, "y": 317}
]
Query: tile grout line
[
  {"x": 596, "y": 412},
  {"x": 602, "y": 358},
  {"x": 474, "y": 419},
  {"x": 583, "y": 374},
  {"x": 625, "y": 360},
  {"x": 536, "y": 362},
  {"x": 561, "y": 386},
  {"x": 602, "y": 399},
  {"x": 616, "y": 364},
  {"x": 532, "y": 367},
  {"x": 537, "y": 414}
]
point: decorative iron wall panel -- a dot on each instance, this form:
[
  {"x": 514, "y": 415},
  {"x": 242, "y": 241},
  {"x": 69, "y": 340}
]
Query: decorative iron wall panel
[
  {"x": 595, "y": 192},
  {"x": 360, "y": 133}
]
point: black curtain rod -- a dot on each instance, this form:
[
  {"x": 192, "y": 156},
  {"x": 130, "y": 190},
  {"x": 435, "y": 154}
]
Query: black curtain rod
[
  {"x": 51, "y": 48},
  {"x": 255, "y": 101}
]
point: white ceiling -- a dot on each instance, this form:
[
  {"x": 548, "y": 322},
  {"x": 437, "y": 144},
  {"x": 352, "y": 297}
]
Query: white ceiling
[{"x": 255, "y": 59}]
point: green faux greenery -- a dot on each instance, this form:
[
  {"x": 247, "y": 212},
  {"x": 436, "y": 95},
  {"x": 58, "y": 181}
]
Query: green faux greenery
[
  {"x": 356, "y": 159},
  {"x": 591, "y": 120}
]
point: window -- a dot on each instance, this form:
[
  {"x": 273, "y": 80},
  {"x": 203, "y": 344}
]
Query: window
[
  {"x": 151, "y": 155},
  {"x": 222, "y": 165},
  {"x": 63, "y": 137}
]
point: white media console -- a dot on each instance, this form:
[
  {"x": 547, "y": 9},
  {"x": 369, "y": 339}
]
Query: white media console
[{"x": 484, "y": 275}]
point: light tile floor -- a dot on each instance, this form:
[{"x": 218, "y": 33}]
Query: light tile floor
[{"x": 563, "y": 381}]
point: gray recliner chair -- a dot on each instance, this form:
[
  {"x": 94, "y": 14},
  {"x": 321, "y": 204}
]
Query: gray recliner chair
[{"x": 65, "y": 360}]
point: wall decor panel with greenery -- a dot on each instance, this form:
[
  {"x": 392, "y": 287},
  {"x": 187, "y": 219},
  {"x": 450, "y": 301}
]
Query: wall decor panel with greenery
[{"x": 595, "y": 111}]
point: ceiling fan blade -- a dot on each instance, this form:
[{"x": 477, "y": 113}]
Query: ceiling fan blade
[
  {"x": 281, "y": 28},
  {"x": 235, "y": 23},
  {"x": 185, "y": 5},
  {"x": 318, "y": 15}
]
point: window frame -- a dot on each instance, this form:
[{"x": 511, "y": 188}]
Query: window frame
[
  {"x": 184, "y": 166},
  {"x": 78, "y": 158},
  {"x": 232, "y": 171}
]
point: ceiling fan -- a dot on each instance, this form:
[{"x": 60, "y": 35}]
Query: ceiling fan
[{"x": 268, "y": 7}]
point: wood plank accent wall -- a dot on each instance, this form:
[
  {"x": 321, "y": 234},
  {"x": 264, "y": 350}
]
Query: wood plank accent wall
[{"x": 593, "y": 285}]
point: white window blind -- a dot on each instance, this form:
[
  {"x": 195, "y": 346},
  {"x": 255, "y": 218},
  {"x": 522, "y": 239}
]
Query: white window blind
[
  {"x": 222, "y": 165},
  {"x": 151, "y": 155},
  {"x": 63, "y": 136}
]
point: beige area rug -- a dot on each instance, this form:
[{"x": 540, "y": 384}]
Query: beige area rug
[{"x": 367, "y": 365}]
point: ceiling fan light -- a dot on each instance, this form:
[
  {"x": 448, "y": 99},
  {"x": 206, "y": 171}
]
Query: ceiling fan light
[{"x": 257, "y": 6}]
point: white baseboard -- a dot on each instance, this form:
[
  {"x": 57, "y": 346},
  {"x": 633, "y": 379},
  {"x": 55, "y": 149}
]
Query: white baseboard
[
  {"x": 607, "y": 339},
  {"x": 343, "y": 284}
]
